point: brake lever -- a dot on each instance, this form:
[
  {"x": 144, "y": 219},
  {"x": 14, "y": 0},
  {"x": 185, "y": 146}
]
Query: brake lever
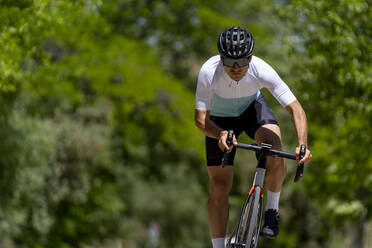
[
  {"x": 229, "y": 141},
  {"x": 300, "y": 168}
]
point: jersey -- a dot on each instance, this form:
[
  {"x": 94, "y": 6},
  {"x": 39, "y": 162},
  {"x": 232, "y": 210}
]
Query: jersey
[{"x": 224, "y": 97}]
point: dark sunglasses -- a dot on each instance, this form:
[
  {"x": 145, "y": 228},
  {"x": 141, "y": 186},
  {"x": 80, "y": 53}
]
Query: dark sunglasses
[{"x": 230, "y": 62}]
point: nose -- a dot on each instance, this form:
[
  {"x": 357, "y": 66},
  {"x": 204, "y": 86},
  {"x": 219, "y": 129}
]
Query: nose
[{"x": 235, "y": 66}]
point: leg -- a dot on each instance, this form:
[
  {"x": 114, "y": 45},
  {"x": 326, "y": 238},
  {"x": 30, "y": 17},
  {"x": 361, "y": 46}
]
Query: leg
[
  {"x": 276, "y": 167},
  {"x": 275, "y": 174},
  {"x": 261, "y": 125},
  {"x": 220, "y": 182}
]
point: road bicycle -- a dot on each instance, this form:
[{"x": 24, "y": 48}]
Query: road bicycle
[{"x": 247, "y": 230}]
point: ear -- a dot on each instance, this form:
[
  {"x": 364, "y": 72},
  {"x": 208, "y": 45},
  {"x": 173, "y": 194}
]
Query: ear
[{"x": 250, "y": 58}]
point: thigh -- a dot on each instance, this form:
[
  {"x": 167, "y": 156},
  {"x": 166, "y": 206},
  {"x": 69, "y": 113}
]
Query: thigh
[
  {"x": 258, "y": 114},
  {"x": 264, "y": 114}
]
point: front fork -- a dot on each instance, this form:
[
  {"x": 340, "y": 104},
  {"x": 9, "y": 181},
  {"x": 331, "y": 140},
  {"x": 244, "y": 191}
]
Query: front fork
[{"x": 254, "y": 187}]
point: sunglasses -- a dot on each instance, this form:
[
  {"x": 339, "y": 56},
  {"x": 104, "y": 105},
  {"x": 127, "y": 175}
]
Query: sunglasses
[{"x": 230, "y": 62}]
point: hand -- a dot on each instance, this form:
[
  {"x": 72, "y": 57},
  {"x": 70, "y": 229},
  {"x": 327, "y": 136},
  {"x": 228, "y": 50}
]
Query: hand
[
  {"x": 306, "y": 159},
  {"x": 222, "y": 137}
]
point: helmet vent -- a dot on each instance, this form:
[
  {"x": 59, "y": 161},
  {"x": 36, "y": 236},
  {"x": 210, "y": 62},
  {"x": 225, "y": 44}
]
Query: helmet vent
[{"x": 235, "y": 42}]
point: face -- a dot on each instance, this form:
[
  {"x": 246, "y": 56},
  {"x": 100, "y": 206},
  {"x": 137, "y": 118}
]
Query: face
[{"x": 235, "y": 72}]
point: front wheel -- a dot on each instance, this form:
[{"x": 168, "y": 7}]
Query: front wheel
[
  {"x": 255, "y": 217},
  {"x": 248, "y": 229}
]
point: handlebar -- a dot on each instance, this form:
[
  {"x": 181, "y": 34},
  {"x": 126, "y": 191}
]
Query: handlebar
[{"x": 267, "y": 151}]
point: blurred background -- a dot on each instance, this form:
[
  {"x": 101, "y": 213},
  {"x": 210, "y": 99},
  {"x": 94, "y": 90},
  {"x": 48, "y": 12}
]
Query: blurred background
[{"x": 97, "y": 142}]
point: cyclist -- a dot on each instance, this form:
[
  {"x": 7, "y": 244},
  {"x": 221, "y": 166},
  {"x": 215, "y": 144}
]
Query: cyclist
[{"x": 228, "y": 97}]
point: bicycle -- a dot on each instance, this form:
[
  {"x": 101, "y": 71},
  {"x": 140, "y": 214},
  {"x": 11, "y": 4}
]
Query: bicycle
[{"x": 247, "y": 230}]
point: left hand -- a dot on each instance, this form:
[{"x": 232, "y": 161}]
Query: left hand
[{"x": 306, "y": 159}]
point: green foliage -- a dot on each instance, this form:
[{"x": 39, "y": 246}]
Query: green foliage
[
  {"x": 172, "y": 210},
  {"x": 56, "y": 183},
  {"x": 96, "y": 116},
  {"x": 92, "y": 108},
  {"x": 19, "y": 48},
  {"x": 333, "y": 39}
]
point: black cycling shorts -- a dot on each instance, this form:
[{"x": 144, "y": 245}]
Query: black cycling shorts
[{"x": 256, "y": 115}]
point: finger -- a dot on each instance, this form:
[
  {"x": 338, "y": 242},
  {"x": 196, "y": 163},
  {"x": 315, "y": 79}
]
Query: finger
[
  {"x": 235, "y": 142},
  {"x": 297, "y": 153},
  {"x": 303, "y": 161},
  {"x": 223, "y": 146},
  {"x": 230, "y": 147},
  {"x": 306, "y": 158}
]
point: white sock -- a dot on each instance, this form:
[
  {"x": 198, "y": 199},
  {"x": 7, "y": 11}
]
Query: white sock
[
  {"x": 272, "y": 200},
  {"x": 218, "y": 243}
]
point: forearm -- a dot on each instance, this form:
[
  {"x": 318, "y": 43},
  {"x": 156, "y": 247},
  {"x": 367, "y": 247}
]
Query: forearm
[
  {"x": 212, "y": 129},
  {"x": 207, "y": 126},
  {"x": 300, "y": 121}
]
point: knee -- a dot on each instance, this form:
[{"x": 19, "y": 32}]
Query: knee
[
  {"x": 269, "y": 134},
  {"x": 274, "y": 140},
  {"x": 219, "y": 187}
]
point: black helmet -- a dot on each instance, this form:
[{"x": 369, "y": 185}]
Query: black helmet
[{"x": 235, "y": 42}]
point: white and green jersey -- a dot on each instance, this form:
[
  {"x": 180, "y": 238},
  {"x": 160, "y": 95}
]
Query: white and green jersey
[{"x": 217, "y": 92}]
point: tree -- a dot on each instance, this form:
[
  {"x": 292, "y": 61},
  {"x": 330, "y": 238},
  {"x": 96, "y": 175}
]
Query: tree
[
  {"x": 97, "y": 122},
  {"x": 333, "y": 38},
  {"x": 99, "y": 112}
]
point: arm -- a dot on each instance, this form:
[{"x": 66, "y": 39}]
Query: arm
[
  {"x": 206, "y": 125},
  {"x": 270, "y": 79},
  {"x": 210, "y": 129},
  {"x": 300, "y": 123}
]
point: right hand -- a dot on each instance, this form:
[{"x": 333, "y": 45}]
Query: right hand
[{"x": 222, "y": 141}]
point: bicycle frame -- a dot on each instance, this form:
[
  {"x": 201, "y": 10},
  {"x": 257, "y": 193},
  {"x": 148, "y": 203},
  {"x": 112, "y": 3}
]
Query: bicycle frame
[
  {"x": 257, "y": 188},
  {"x": 251, "y": 232}
]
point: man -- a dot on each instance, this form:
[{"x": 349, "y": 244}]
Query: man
[{"x": 228, "y": 97}]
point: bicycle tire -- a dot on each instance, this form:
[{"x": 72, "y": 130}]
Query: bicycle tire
[
  {"x": 237, "y": 238},
  {"x": 255, "y": 218},
  {"x": 249, "y": 224},
  {"x": 244, "y": 220}
]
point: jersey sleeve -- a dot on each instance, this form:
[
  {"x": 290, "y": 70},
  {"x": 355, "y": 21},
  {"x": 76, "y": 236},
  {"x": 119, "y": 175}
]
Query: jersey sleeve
[
  {"x": 270, "y": 79},
  {"x": 203, "y": 91}
]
